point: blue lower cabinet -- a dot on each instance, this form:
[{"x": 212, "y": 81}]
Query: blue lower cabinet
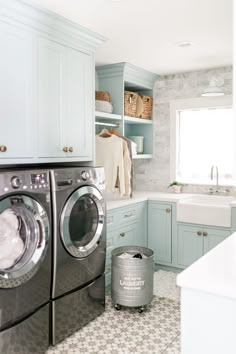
[
  {"x": 126, "y": 235},
  {"x": 159, "y": 231},
  {"x": 126, "y": 226},
  {"x": 189, "y": 244},
  {"x": 141, "y": 236},
  {"x": 212, "y": 237},
  {"x": 193, "y": 241}
]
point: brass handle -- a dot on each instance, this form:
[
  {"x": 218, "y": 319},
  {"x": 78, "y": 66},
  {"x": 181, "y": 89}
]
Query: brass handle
[
  {"x": 3, "y": 148},
  {"x": 65, "y": 149},
  {"x": 122, "y": 234},
  {"x": 71, "y": 149},
  {"x": 205, "y": 233},
  {"x": 199, "y": 233},
  {"x": 168, "y": 210}
]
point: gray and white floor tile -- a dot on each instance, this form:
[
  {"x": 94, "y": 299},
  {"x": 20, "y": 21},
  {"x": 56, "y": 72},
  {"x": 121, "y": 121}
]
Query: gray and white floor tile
[{"x": 155, "y": 331}]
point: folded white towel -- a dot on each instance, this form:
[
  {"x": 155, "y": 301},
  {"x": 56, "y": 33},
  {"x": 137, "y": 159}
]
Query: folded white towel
[{"x": 103, "y": 106}]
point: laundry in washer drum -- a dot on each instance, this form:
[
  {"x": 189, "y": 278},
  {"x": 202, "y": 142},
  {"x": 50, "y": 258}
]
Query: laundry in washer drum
[{"x": 11, "y": 244}]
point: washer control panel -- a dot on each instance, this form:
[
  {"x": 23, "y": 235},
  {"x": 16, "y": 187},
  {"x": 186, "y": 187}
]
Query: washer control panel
[
  {"x": 39, "y": 180},
  {"x": 29, "y": 181}
]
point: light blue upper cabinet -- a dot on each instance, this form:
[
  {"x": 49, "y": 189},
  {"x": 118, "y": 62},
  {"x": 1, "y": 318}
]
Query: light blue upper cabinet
[
  {"x": 64, "y": 102},
  {"x": 47, "y": 74},
  {"x": 17, "y": 116},
  {"x": 51, "y": 100},
  {"x": 80, "y": 95},
  {"x": 159, "y": 231}
]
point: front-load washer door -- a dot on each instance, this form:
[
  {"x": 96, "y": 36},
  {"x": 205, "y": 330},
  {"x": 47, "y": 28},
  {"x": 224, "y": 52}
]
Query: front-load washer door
[
  {"x": 24, "y": 233},
  {"x": 82, "y": 221}
]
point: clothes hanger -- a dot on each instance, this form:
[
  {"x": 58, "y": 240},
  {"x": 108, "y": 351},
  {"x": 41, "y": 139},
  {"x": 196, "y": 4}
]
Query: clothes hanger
[
  {"x": 104, "y": 133},
  {"x": 114, "y": 132}
]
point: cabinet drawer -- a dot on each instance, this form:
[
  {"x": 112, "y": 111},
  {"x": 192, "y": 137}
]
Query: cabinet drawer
[{"x": 128, "y": 215}]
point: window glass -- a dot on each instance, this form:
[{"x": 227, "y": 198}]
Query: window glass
[{"x": 205, "y": 137}]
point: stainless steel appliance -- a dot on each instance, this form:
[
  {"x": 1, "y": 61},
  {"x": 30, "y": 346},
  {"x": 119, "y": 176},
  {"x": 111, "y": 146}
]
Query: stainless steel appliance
[
  {"x": 79, "y": 251},
  {"x": 25, "y": 262}
]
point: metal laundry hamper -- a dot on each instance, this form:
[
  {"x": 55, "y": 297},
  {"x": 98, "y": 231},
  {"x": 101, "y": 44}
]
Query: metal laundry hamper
[{"x": 132, "y": 278}]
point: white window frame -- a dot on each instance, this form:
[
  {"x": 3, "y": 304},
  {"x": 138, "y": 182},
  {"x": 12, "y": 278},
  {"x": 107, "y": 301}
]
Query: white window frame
[{"x": 185, "y": 104}]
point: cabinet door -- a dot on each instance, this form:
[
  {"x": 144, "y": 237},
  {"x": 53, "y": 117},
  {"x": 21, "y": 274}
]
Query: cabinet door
[
  {"x": 126, "y": 235},
  {"x": 51, "y": 98},
  {"x": 213, "y": 237},
  {"x": 142, "y": 224},
  {"x": 80, "y": 96},
  {"x": 189, "y": 244},
  {"x": 159, "y": 231},
  {"x": 16, "y": 92}
]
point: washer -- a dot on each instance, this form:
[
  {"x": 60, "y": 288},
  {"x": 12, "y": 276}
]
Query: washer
[
  {"x": 25, "y": 262},
  {"x": 79, "y": 251}
]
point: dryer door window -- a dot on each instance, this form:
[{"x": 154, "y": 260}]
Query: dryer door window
[
  {"x": 82, "y": 221},
  {"x": 24, "y": 232}
]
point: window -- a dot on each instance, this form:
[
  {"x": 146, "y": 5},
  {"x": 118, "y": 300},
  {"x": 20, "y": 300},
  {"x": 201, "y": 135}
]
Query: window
[{"x": 203, "y": 134}]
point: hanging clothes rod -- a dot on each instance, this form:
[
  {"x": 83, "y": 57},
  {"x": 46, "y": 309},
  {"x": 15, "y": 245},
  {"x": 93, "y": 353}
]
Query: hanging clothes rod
[{"x": 107, "y": 124}]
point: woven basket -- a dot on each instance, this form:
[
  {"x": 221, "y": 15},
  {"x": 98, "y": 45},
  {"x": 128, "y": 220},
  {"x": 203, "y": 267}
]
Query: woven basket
[
  {"x": 130, "y": 100},
  {"x": 103, "y": 96},
  {"x": 147, "y": 107}
]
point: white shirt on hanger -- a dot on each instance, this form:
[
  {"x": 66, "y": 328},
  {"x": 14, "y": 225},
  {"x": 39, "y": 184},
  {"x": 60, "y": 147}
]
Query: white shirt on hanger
[{"x": 109, "y": 153}]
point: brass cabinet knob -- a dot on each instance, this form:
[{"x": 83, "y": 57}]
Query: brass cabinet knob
[
  {"x": 71, "y": 149},
  {"x": 3, "y": 148},
  {"x": 199, "y": 233},
  {"x": 205, "y": 233},
  {"x": 122, "y": 234},
  {"x": 168, "y": 210},
  {"x": 65, "y": 149}
]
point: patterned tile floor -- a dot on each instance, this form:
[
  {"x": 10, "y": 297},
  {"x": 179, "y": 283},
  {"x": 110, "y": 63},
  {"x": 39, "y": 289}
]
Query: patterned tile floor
[{"x": 155, "y": 331}]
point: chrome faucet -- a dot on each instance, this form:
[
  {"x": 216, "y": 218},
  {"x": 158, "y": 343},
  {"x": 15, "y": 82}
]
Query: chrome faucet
[{"x": 217, "y": 179}]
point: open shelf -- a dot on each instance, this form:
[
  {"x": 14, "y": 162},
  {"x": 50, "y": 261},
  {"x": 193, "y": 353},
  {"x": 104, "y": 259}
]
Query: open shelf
[
  {"x": 133, "y": 120},
  {"x": 105, "y": 115},
  {"x": 142, "y": 156}
]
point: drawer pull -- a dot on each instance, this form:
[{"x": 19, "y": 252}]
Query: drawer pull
[
  {"x": 205, "y": 233},
  {"x": 168, "y": 210},
  {"x": 71, "y": 149},
  {"x": 122, "y": 234},
  {"x": 199, "y": 233},
  {"x": 65, "y": 149},
  {"x": 128, "y": 215},
  {"x": 3, "y": 148}
]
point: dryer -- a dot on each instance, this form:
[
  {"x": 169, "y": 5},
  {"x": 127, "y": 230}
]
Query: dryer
[
  {"x": 79, "y": 251},
  {"x": 25, "y": 261}
]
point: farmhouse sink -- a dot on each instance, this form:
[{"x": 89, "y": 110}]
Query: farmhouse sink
[{"x": 205, "y": 209}]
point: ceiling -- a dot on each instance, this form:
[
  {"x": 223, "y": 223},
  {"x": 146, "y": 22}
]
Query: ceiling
[{"x": 146, "y": 33}]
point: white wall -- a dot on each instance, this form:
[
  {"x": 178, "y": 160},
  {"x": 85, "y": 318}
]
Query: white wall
[{"x": 154, "y": 174}]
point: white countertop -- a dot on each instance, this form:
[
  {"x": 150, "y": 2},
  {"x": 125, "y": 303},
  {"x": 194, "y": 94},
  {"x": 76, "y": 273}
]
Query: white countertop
[
  {"x": 215, "y": 272},
  {"x": 143, "y": 196}
]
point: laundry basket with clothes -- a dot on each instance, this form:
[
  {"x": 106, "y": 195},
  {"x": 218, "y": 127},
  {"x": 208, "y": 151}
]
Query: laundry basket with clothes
[{"x": 132, "y": 277}]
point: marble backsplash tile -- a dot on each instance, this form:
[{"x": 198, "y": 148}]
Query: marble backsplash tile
[{"x": 154, "y": 174}]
